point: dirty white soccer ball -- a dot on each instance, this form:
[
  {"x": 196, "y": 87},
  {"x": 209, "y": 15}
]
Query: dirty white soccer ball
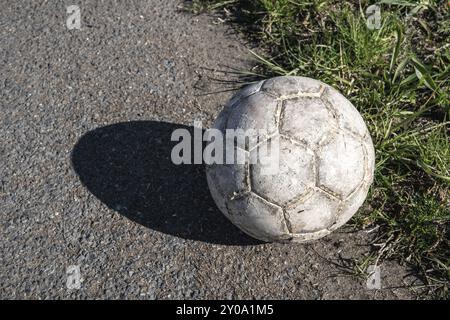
[{"x": 325, "y": 162}]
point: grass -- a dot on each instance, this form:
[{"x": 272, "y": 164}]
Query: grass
[{"x": 398, "y": 78}]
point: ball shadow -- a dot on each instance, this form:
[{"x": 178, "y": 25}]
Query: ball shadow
[{"x": 128, "y": 167}]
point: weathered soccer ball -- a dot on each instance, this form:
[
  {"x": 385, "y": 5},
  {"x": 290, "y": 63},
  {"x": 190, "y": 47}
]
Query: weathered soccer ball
[{"x": 325, "y": 162}]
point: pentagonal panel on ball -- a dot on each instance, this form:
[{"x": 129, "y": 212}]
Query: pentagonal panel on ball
[
  {"x": 307, "y": 120},
  {"x": 316, "y": 212},
  {"x": 351, "y": 205},
  {"x": 258, "y": 217},
  {"x": 341, "y": 165},
  {"x": 290, "y": 85},
  {"x": 254, "y": 117},
  {"x": 227, "y": 180},
  {"x": 348, "y": 117},
  {"x": 284, "y": 175}
]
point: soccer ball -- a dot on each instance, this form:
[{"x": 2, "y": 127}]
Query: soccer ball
[{"x": 325, "y": 161}]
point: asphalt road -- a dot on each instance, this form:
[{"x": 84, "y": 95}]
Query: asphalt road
[{"x": 90, "y": 204}]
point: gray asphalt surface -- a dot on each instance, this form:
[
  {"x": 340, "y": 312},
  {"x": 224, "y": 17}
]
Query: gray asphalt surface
[{"x": 86, "y": 178}]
